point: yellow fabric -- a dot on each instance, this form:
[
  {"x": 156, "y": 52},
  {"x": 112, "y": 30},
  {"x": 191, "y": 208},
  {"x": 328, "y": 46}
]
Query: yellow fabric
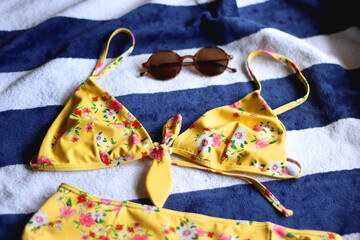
[
  {"x": 94, "y": 131},
  {"x": 75, "y": 214},
  {"x": 159, "y": 179},
  {"x": 281, "y": 58}
]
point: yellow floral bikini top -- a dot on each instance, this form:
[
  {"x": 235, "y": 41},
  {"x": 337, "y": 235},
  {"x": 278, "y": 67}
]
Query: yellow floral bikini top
[{"x": 94, "y": 130}]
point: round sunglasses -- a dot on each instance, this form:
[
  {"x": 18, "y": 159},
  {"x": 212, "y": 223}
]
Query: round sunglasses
[{"x": 210, "y": 61}]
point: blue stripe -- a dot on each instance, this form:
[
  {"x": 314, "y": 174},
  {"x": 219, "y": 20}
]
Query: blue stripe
[
  {"x": 12, "y": 225},
  {"x": 166, "y": 27},
  {"x": 319, "y": 202},
  {"x": 329, "y": 101}
]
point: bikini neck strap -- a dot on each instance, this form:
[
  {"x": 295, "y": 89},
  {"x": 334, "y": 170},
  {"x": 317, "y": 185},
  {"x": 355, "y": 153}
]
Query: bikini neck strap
[
  {"x": 285, "y": 60},
  {"x": 97, "y": 72}
]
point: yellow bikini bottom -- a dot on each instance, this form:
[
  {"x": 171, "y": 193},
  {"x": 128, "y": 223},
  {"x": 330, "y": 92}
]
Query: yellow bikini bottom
[{"x": 74, "y": 214}]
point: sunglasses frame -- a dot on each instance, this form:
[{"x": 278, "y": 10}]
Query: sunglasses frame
[{"x": 182, "y": 58}]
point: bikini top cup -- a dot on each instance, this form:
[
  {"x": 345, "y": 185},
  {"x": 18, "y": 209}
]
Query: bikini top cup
[{"x": 94, "y": 131}]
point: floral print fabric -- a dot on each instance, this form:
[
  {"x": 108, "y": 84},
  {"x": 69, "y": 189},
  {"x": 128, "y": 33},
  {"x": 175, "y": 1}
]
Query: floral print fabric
[
  {"x": 116, "y": 135},
  {"x": 76, "y": 213},
  {"x": 94, "y": 130}
]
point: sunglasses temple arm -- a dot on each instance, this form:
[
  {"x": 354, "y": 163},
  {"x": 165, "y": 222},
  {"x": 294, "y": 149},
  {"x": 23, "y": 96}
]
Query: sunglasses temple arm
[
  {"x": 145, "y": 65},
  {"x": 143, "y": 73},
  {"x": 232, "y": 69}
]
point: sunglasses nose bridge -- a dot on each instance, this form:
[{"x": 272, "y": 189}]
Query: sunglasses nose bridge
[{"x": 188, "y": 56}]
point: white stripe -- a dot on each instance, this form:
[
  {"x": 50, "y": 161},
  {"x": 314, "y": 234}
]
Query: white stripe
[
  {"x": 353, "y": 236},
  {"x": 25, "y": 14},
  {"x": 244, "y": 3},
  {"x": 26, "y": 192},
  {"x": 182, "y": 2},
  {"x": 53, "y": 82}
]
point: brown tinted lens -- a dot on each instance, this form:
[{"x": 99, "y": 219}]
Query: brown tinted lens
[
  {"x": 164, "y": 65},
  {"x": 211, "y": 61}
]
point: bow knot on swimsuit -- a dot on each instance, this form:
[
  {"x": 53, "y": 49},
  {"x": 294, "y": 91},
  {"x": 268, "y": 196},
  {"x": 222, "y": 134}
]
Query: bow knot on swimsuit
[
  {"x": 159, "y": 150},
  {"x": 94, "y": 130}
]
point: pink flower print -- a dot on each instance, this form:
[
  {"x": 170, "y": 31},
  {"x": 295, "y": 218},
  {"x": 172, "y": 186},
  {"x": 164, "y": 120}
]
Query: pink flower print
[
  {"x": 168, "y": 134},
  {"x": 257, "y": 128},
  {"x": 117, "y": 210},
  {"x": 264, "y": 103},
  {"x": 201, "y": 232},
  {"x": 48, "y": 161},
  {"x": 216, "y": 140},
  {"x": 115, "y": 105},
  {"x": 99, "y": 64},
  {"x": 86, "y": 220},
  {"x": 101, "y": 73},
  {"x": 67, "y": 211},
  {"x": 261, "y": 143},
  {"x": 235, "y": 105},
  {"x": 89, "y": 127},
  {"x": 90, "y": 204},
  {"x": 117, "y": 125},
  {"x": 175, "y": 119},
  {"x": 41, "y": 160},
  {"x": 44, "y": 160},
  {"x": 235, "y": 114},
  {"x": 140, "y": 237},
  {"x": 104, "y": 156},
  {"x": 134, "y": 139},
  {"x": 223, "y": 236},
  {"x": 75, "y": 139},
  {"x": 86, "y": 110},
  {"x": 157, "y": 153},
  {"x": 129, "y": 157},
  {"x": 105, "y": 201},
  {"x": 279, "y": 231}
]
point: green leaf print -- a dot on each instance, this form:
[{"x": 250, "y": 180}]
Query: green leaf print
[
  {"x": 290, "y": 235},
  {"x": 77, "y": 223},
  {"x": 69, "y": 202}
]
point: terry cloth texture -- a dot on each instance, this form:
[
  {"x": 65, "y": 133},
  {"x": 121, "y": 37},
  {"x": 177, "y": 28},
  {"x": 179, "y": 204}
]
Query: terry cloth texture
[{"x": 48, "y": 49}]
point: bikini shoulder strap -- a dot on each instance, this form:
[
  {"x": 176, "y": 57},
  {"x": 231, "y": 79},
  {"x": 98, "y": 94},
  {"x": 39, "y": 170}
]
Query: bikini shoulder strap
[
  {"x": 285, "y": 60},
  {"x": 97, "y": 73}
]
